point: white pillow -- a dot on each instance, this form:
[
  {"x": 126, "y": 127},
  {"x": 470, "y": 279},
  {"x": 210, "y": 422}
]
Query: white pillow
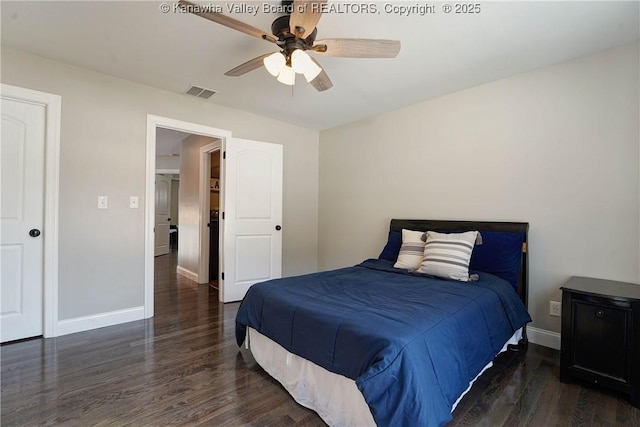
[
  {"x": 448, "y": 255},
  {"x": 411, "y": 251}
]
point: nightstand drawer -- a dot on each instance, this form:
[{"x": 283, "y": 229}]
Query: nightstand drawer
[{"x": 600, "y": 339}]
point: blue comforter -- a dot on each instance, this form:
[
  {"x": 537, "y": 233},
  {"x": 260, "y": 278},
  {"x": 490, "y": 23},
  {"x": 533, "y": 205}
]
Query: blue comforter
[{"x": 412, "y": 343}]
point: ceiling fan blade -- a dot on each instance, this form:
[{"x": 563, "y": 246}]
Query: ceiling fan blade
[
  {"x": 358, "y": 48},
  {"x": 225, "y": 20},
  {"x": 305, "y": 16},
  {"x": 250, "y": 65},
  {"x": 322, "y": 81}
]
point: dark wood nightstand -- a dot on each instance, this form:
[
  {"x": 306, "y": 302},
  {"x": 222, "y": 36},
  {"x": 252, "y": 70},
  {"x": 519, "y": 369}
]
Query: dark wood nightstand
[{"x": 600, "y": 340}]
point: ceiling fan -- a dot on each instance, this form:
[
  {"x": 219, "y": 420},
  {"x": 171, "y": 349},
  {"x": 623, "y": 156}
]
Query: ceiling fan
[{"x": 294, "y": 34}]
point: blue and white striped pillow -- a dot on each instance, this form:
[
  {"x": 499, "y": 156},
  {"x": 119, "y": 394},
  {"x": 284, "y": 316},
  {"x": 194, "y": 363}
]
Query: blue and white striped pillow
[
  {"x": 448, "y": 255},
  {"x": 411, "y": 251}
]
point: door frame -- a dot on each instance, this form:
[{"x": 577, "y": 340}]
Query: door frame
[
  {"x": 205, "y": 184},
  {"x": 53, "y": 113},
  {"x": 154, "y": 122}
]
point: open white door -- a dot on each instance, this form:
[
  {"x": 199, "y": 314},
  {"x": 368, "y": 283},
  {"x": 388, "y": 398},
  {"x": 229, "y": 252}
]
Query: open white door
[
  {"x": 22, "y": 158},
  {"x": 163, "y": 211},
  {"x": 252, "y": 220}
]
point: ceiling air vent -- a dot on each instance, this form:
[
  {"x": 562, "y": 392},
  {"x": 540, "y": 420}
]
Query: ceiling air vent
[{"x": 201, "y": 92}]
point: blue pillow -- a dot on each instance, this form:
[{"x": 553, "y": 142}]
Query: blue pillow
[
  {"x": 392, "y": 248},
  {"x": 499, "y": 254}
]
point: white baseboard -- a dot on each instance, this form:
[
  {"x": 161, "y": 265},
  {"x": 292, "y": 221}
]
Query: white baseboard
[
  {"x": 86, "y": 323},
  {"x": 187, "y": 273},
  {"x": 543, "y": 337}
]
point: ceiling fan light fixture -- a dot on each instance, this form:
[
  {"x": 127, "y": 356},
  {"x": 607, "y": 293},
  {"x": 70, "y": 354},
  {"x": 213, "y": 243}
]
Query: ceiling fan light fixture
[
  {"x": 287, "y": 76},
  {"x": 302, "y": 63},
  {"x": 275, "y": 63},
  {"x": 294, "y": 33},
  {"x": 312, "y": 71}
]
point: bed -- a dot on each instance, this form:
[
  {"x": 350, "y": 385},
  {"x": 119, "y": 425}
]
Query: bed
[{"x": 374, "y": 344}]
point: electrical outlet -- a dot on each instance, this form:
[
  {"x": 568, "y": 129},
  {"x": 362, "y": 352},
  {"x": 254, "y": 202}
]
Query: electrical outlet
[
  {"x": 555, "y": 308},
  {"x": 102, "y": 202}
]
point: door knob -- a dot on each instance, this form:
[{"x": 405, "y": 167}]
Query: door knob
[
  {"x": 34, "y": 232},
  {"x": 278, "y": 228},
  {"x": 168, "y": 219}
]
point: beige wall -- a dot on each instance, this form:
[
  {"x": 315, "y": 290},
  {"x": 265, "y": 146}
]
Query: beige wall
[
  {"x": 557, "y": 147},
  {"x": 102, "y": 152},
  {"x": 189, "y": 227},
  {"x": 167, "y": 162}
]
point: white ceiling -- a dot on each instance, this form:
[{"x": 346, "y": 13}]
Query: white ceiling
[{"x": 441, "y": 53}]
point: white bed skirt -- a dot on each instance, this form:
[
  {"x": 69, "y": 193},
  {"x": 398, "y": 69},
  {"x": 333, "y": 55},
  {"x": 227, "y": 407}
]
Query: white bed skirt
[{"x": 334, "y": 397}]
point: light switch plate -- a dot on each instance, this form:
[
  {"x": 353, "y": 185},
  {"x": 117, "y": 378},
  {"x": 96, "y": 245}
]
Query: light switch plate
[
  {"x": 102, "y": 202},
  {"x": 133, "y": 202}
]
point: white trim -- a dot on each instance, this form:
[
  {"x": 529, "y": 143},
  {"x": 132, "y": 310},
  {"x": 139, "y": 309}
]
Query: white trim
[
  {"x": 205, "y": 185},
  {"x": 543, "y": 337},
  {"x": 53, "y": 107},
  {"x": 168, "y": 171},
  {"x": 86, "y": 323},
  {"x": 167, "y": 123},
  {"x": 149, "y": 220},
  {"x": 187, "y": 273}
]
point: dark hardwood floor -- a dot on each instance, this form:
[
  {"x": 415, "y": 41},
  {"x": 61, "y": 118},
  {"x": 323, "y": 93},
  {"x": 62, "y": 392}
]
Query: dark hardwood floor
[{"x": 183, "y": 367}]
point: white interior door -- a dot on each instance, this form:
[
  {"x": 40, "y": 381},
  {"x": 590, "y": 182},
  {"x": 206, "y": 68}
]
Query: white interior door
[
  {"x": 163, "y": 214},
  {"x": 22, "y": 217},
  {"x": 252, "y": 222}
]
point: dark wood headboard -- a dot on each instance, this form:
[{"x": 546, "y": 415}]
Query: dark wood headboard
[{"x": 443, "y": 226}]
